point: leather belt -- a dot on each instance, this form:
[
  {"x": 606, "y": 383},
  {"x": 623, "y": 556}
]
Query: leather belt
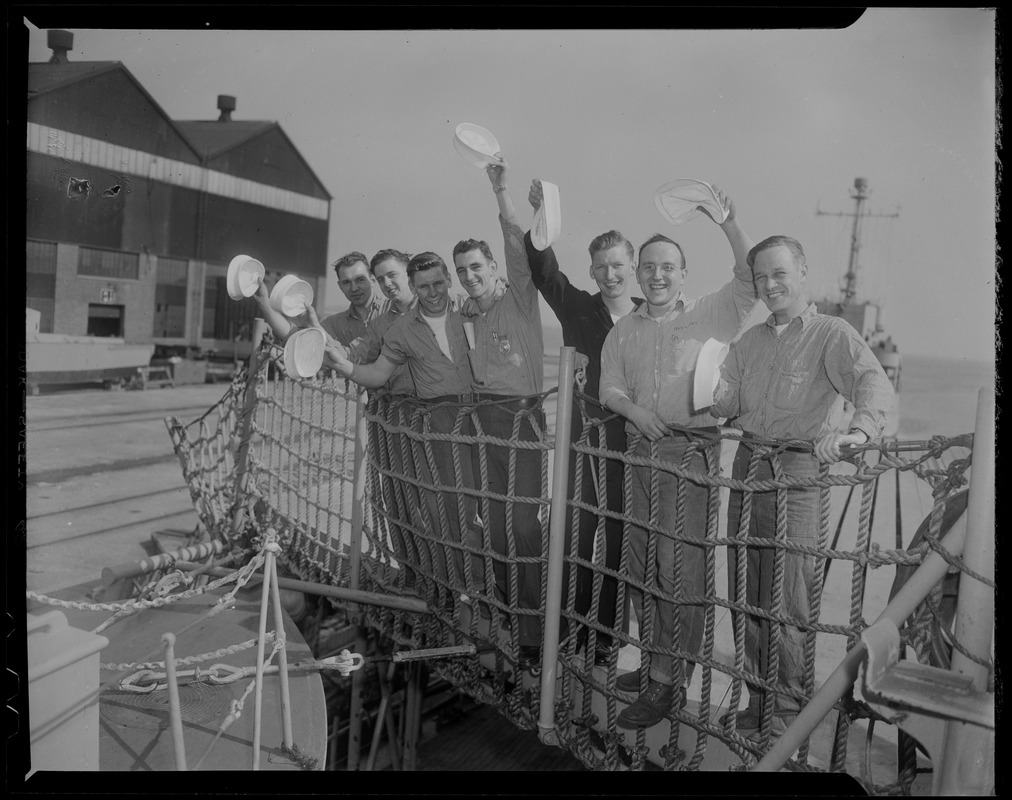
[
  {"x": 462, "y": 399},
  {"x": 514, "y": 400},
  {"x": 480, "y": 397}
]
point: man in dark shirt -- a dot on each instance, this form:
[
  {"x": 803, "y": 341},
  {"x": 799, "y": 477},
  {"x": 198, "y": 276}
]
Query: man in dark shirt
[{"x": 586, "y": 320}]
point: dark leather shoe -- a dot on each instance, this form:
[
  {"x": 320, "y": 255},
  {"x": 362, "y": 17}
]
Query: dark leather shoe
[
  {"x": 744, "y": 721},
  {"x": 649, "y": 708},
  {"x": 629, "y": 682}
]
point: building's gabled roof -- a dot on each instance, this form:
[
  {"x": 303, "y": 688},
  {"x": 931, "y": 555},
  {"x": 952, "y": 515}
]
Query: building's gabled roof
[
  {"x": 45, "y": 77},
  {"x": 211, "y": 138},
  {"x": 208, "y": 139}
]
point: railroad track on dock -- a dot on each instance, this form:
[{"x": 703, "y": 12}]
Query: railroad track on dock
[
  {"x": 51, "y": 528},
  {"x": 90, "y": 420}
]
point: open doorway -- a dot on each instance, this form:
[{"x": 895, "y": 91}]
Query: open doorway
[{"x": 105, "y": 320}]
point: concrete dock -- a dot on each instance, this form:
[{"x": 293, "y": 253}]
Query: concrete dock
[{"x": 102, "y": 477}]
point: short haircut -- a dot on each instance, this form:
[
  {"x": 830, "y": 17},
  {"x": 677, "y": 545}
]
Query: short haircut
[
  {"x": 660, "y": 237},
  {"x": 384, "y": 255},
  {"x": 608, "y": 240},
  {"x": 778, "y": 241},
  {"x": 424, "y": 261},
  {"x": 467, "y": 245},
  {"x": 349, "y": 260}
]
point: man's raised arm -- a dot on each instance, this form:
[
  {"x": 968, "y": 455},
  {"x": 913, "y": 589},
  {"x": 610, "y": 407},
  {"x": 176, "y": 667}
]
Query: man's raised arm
[
  {"x": 279, "y": 323},
  {"x": 518, "y": 270},
  {"x": 740, "y": 241},
  {"x": 544, "y": 266}
]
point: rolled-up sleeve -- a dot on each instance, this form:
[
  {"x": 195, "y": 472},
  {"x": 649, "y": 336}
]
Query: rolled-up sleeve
[
  {"x": 856, "y": 374},
  {"x": 393, "y": 344},
  {"x": 613, "y": 382}
]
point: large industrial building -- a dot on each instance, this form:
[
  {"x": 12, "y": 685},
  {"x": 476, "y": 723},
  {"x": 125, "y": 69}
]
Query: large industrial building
[{"x": 133, "y": 217}]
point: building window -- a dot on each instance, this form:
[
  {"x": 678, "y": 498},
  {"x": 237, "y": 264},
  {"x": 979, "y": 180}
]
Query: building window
[
  {"x": 108, "y": 263},
  {"x": 170, "y": 298},
  {"x": 105, "y": 320},
  {"x": 40, "y": 267},
  {"x": 225, "y": 318}
]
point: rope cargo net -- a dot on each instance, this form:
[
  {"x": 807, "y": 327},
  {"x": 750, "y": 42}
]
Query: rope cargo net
[{"x": 459, "y": 518}]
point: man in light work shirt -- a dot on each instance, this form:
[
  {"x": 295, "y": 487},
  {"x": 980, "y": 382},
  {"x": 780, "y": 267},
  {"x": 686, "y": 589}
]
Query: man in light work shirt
[
  {"x": 787, "y": 379},
  {"x": 390, "y": 270},
  {"x": 586, "y": 321},
  {"x": 429, "y": 338},
  {"x": 647, "y": 368},
  {"x": 356, "y": 283},
  {"x": 508, "y": 362}
]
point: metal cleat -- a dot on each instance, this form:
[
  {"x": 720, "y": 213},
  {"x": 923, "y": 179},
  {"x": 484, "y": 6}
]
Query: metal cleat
[
  {"x": 929, "y": 703},
  {"x": 909, "y": 687}
]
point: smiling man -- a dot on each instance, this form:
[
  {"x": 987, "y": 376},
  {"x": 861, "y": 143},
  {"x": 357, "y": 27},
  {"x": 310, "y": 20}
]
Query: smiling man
[
  {"x": 586, "y": 321},
  {"x": 429, "y": 338},
  {"x": 647, "y": 367},
  {"x": 357, "y": 285},
  {"x": 787, "y": 379},
  {"x": 508, "y": 362},
  {"x": 390, "y": 269}
]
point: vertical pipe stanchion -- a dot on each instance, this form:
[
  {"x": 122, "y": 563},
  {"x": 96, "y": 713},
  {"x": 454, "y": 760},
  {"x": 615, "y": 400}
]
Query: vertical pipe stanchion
[
  {"x": 416, "y": 695},
  {"x": 175, "y": 716},
  {"x": 261, "y": 635},
  {"x": 967, "y": 761},
  {"x": 354, "y": 565},
  {"x": 556, "y": 546},
  {"x": 279, "y": 622},
  {"x": 246, "y": 424},
  {"x": 377, "y": 732},
  {"x": 930, "y": 572},
  {"x": 335, "y": 727}
]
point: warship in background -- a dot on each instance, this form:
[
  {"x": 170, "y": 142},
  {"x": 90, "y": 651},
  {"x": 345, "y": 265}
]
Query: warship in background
[{"x": 864, "y": 314}]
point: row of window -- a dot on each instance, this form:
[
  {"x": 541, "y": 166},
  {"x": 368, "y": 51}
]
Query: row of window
[{"x": 221, "y": 318}]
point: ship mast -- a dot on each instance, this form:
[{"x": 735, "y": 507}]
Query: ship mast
[{"x": 859, "y": 195}]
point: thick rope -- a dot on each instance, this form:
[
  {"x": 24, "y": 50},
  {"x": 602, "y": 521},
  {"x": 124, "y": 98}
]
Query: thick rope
[{"x": 296, "y": 444}]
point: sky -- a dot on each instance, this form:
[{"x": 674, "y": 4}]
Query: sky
[{"x": 782, "y": 120}]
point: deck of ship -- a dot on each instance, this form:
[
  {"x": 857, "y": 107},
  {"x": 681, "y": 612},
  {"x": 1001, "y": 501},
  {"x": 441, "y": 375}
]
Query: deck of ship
[{"x": 83, "y": 516}]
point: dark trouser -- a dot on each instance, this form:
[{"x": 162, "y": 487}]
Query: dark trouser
[
  {"x": 392, "y": 452},
  {"x": 523, "y": 539},
  {"x": 445, "y": 513},
  {"x": 687, "y": 581},
  {"x": 802, "y": 507},
  {"x": 614, "y": 471}
]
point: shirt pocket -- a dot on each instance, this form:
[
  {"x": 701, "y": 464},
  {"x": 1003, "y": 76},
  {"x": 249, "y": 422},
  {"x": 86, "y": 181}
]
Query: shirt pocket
[
  {"x": 680, "y": 358},
  {"x": 790, "y": 389}
]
